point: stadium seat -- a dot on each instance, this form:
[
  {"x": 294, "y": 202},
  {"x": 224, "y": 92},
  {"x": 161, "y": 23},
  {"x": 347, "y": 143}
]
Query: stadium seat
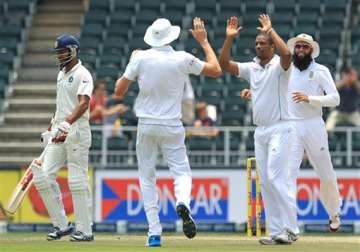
[
  {"x": 124, "y": 5},
  {"x": 309, "y": 5},
  {"x": 100, "y": 5},
  {"x": 114, "y": 45},
  {"x": 93, "y": 30},
  {"x": 96, "y": 17},
  {"x": 7, "y": 58},
  {"x": 154, "y": 5},
  {"x": 231, "y": 6},
  {"x": 19, "y": 5},
  {"x": 90, "y": 45},
  {"x": 284, "y": 6},
  {"x": 146, "y": 17},
  {"x": 9, "y": 44},
  {"x": 118, "y": 30},
  {"x": 200, "y": 143},
  {"x": 118, "y": 143},
  {"x": 208, "y": 5},
  {"x": 11, "y": 30},
  {"x": 107, "y": 72},
  {"x": 121, "y": 18},
  {"x": 88, "y": 59}
]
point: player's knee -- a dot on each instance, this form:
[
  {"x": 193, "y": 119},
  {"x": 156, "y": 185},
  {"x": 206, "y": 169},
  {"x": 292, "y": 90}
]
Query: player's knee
[{"x": 78, "y": 185}]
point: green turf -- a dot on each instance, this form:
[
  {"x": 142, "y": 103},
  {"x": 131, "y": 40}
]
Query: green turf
[{"x": 34, "y": 242}]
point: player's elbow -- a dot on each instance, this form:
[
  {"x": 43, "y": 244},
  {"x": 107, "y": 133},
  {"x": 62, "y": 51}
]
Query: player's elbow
[
  {"x": 212, "y": 71},
  {"x": 217, "y": 72}
]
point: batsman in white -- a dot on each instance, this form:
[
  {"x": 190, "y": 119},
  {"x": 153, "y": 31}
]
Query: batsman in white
[
  {"x": 161, "y": 73},
  {"x": 308, "y": 83},
  {"x": 268, "y": 75},
  {"x": 70, "y": 141}
]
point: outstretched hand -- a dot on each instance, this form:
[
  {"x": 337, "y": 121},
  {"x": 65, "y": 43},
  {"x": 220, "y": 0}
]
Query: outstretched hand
[
  {"x": 265, "y": 22},
  {"x": 199, "y": 32},
  {"x": 232, "y": 27}
]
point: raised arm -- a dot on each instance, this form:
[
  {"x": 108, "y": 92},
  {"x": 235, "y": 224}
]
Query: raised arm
[
  {"x": 285, "y": 54},
  {"x": 212, "y": 67},
  {"x": 232, "y": 30}
]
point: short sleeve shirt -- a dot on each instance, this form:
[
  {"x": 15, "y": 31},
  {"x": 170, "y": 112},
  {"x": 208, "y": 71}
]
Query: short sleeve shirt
[
  {"x": 161, "y": 73},
  {"x": 78, "y": 81},
  {"x": 268, "y": 86}
]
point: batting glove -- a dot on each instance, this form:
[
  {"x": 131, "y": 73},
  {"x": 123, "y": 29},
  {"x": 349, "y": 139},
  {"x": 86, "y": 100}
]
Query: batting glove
[{"x": 62, "y": 132}]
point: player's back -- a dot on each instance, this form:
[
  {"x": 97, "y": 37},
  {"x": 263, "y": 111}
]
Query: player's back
[{"x": 162, "y": 74}]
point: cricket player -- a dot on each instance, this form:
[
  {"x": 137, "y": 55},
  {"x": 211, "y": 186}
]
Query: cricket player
[
  {"x": 161, "y": 73},
  {"x": 308, "y": 83},
  {"x": 70, "y": 141},
  {"x": 268, "y": 75}
]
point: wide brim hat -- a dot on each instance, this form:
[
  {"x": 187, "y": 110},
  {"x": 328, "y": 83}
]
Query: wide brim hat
[
  {"x": 161, "y": 33},
  {"x": 305, "y": 38}
]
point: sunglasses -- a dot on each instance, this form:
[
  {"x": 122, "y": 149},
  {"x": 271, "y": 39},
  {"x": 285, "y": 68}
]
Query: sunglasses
[{"x": 304, "y": 46}]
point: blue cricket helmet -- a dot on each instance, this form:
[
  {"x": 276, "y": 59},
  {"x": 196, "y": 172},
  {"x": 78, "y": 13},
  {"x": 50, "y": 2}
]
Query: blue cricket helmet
[
  {"x": 70, "y": 43},
  {"x": 67, "y": 41}
]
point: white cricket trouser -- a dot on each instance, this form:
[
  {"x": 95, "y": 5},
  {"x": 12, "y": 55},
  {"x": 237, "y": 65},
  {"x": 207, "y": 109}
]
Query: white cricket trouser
[
  {"x": 170, "y": 141},
  {"x": 311, "y": 136},
  {"x": 75, "y": 150},
  {"x": 272, "y": 146}
]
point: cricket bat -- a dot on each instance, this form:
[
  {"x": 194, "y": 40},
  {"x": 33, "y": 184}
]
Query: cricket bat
[{"x": 22, "y": 187}]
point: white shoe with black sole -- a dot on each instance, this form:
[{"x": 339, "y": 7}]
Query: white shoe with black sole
[
  {"x": 334, "y": 223},
  {"x": 79, "y": 236},
  {"x": 57, "y": 233}
]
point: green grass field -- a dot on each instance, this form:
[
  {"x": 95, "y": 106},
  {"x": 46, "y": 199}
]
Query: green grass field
[{"x": 35, "y": 242}]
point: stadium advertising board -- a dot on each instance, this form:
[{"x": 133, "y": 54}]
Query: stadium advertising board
[
  {"x": 32, "y": 209},
  {"x": 217, "y": 196},
  {"x": 311, "y": 209}
]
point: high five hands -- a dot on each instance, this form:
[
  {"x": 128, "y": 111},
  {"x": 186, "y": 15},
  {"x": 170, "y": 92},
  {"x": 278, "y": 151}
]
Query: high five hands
[
  {"x": 232, "y": 27},
  {"x": 199, "y": 31},
  {"x": 265, "y": 22}
]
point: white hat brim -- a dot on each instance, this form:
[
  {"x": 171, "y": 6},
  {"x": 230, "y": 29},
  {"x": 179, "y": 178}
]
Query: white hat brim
[
  {"x": 315, "y": 46},
  {"x": 154, "y": 42}
]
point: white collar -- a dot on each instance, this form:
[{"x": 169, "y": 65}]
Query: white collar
[
  {"x": 72, "y": 69},
  {"x": 271, "y": 62},
  {"x": 166, "y": 48}
]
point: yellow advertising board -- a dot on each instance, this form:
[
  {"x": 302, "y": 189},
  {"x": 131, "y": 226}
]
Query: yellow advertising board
[
  {"x": 32, "y": 209},
  {"x": 9, "y": 180}
]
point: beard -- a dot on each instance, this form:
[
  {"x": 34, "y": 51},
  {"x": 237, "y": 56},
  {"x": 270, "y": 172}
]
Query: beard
[{"x": 302, "y": 63}]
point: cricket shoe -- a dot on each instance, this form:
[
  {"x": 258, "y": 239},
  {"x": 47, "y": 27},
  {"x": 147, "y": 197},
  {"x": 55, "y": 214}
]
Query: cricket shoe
[
  {"x": 154, "y": 241},
  {"x": 79, "y": 236},
  {"x": 189, "y": 226},
  {"x": 293, "y": 237},
  {"x": 57, "y": 233},
  {"x": 283, "y": 237},
  {"x": 334, "y": 223},
  {"x": 267, "y": 241}
]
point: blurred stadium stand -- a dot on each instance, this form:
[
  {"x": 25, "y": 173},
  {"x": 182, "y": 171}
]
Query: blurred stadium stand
[{"x": 110, "y": 29}]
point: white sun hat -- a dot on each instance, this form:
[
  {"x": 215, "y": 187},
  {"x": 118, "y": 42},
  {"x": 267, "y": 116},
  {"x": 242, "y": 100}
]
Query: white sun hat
[
  {"x": 161, "y": 32},
  {"x": 306, "y": 38}
]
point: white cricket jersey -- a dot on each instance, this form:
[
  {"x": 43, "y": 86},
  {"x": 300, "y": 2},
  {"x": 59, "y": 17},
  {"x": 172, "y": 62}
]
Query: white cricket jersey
[
  {"x": 269, "y": 86},
  {"x": 78, "y": 81},
  {"x": 313, "y": 81},
  {"x": 161, "y": 73}
]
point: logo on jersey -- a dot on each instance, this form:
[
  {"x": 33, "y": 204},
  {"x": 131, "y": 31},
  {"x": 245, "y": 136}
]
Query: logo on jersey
[{"x": 71, "y": 79}]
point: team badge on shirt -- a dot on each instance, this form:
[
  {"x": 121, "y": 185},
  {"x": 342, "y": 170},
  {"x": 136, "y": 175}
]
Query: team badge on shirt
[
  {"x": 71, "y": 79},
  {"x": 311, "y": 75}
]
